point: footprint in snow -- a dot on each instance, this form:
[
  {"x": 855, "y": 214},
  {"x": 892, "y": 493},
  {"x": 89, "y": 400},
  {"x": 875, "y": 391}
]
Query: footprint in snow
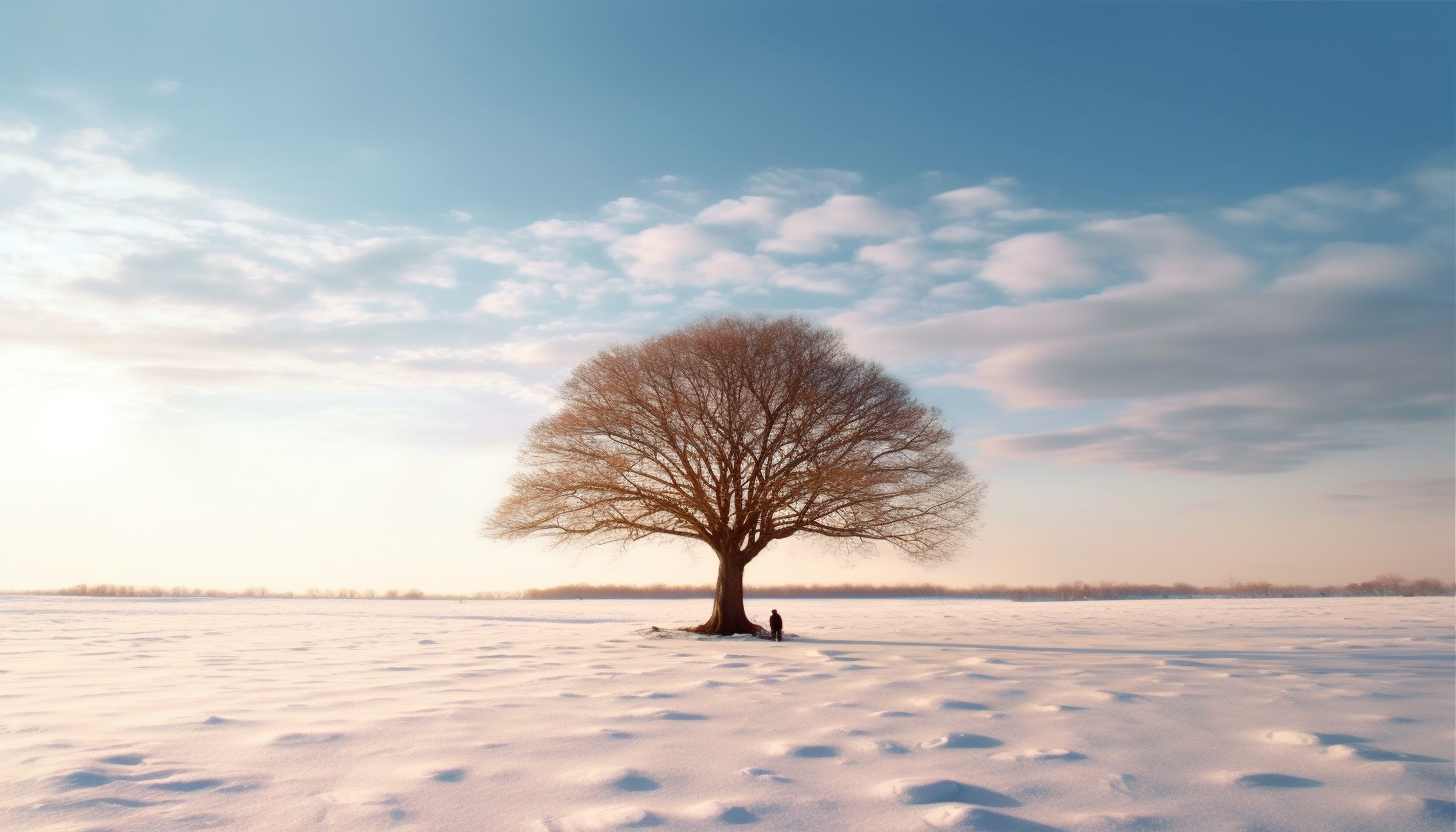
[
  {"x": 187, "y": 785},
  {"x": 1275, "y": 781},
  {"x": 1290, "y": 738},
  {"x": 1438, "y": 810},
  {"x": 86, "y": 780},
  {"x": 121, "y": 802},
  {"x": 305, "y": 738},
  {"x": 599, "y": 820},
  {"x": 1406, "y": 811},
  {"x": 1125, "y": 784},
  {"x": 1380, "y": 755},
  {"x": 722, "y": 812},
  {"x": 449, "y": 775},
  {"x": 659, "y": 713},
  {"x": 785, "y": 749},
  {"x": 985, "y": 820},
  {"x": 620, "y": 779},
  {"x": 958, "y": 740},
  {"x": 763, "y": 775},
  {"x": 1117, "y": 822},
  {"x": 1038, "y": 755},
  {"x": 961, "y": 705},
  {"x": 123, "y": 760},
  {"x": 916, "y": 791},
  {"x": 1347, "y": 745}
]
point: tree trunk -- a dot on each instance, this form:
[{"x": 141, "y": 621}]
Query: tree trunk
[{"x": 728, "y": 617}]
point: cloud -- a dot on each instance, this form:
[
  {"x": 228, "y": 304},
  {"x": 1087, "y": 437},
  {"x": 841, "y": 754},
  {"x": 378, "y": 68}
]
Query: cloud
[
  {"x": 897, "y": 256},
  {"x": 164, "y": 86},
  {"x": 661, "y": 252},
  {"x": 835, "y": 279},
  {"x": 1436, "y": 186},
  {"x": 18, "y": 188},
  {"x": 1169, "y": 253},
  {"x": 458, "y": 215},
  {"x": 628, "y": 211},
  {"x": 1201, "y": 347},
  {"x": 955, "y": 266},
  {"x": 965, "y": 202},
  {"x": 1216, "y": 373},
  {"x": 511, "y": 299},
  {"x": 733, "y": 267},
  {"x": 1030, "y": 214},
  {"x": 573, "y": 230},
  {"x": 1155, "y": 248},
  {"x": 960, "y": 234},
  {"x": 18, "y": 132},
  {"x": 816, "y": 230},
  {"x": 1207, "y": 435},
  {"x": 1033, "y": 264},
  {"x": 1354, "y": 268},
  {"x": 1411, "y": 494},
  {"x": 799, "y": 184},
  {"x": 558, "y": 353},
  {"x": 1313, "y": 207},
  {"x": 169, "y": 285},
  {"x": 758, "y": 212}
]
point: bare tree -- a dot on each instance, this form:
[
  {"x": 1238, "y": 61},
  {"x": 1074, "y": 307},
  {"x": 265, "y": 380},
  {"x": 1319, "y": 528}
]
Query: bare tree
[{"x": 739, "y": 432}]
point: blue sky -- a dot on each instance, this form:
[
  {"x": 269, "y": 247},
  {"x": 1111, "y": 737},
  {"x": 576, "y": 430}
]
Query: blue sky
[{"x": 284, "y": 283}]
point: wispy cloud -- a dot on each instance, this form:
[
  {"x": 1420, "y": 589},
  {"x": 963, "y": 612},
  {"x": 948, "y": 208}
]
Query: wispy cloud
[
  {"x": 1313, "y": 208},
  {"x": 803, "y": 184},
  {"x": 1260, "y": 337},
  {"x": 1412, "y": 494},
  {"x": 817, "y": 230},
  {"x": 964, "y": 202},
  {"x": 1221, "y": 366}
]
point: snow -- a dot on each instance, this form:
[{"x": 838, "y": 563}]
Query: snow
[{"x": 275, "y": 714}]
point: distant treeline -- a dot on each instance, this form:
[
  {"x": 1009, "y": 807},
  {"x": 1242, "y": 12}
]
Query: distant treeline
[
  {"x": 1386, "y": 584},
  {"x": 129, "y": 591}
]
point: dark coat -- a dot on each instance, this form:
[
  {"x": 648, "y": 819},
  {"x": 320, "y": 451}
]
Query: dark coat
[{"x": 775, "y": 622}]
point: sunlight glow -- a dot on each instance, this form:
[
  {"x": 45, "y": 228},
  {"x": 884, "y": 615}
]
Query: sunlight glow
[{"x": 52, "y": 417}]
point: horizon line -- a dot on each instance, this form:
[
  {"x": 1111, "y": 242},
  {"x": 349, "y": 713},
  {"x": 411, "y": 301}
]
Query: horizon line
[{"x": 1384, "y": 584}]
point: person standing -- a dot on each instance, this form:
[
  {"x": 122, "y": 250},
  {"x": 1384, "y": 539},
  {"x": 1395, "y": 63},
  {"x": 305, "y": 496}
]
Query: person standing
[{"x": 776, "y": 625}]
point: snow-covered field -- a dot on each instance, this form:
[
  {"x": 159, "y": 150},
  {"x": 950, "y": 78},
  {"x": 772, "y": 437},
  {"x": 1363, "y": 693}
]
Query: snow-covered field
[{"x": 1325, "y": 714}]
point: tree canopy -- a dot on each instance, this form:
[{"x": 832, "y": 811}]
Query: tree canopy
[{"x": 739, "y": 431}]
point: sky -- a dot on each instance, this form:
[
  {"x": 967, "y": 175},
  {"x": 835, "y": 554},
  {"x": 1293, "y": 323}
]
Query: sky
[{"x": 283, "y": 285}]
